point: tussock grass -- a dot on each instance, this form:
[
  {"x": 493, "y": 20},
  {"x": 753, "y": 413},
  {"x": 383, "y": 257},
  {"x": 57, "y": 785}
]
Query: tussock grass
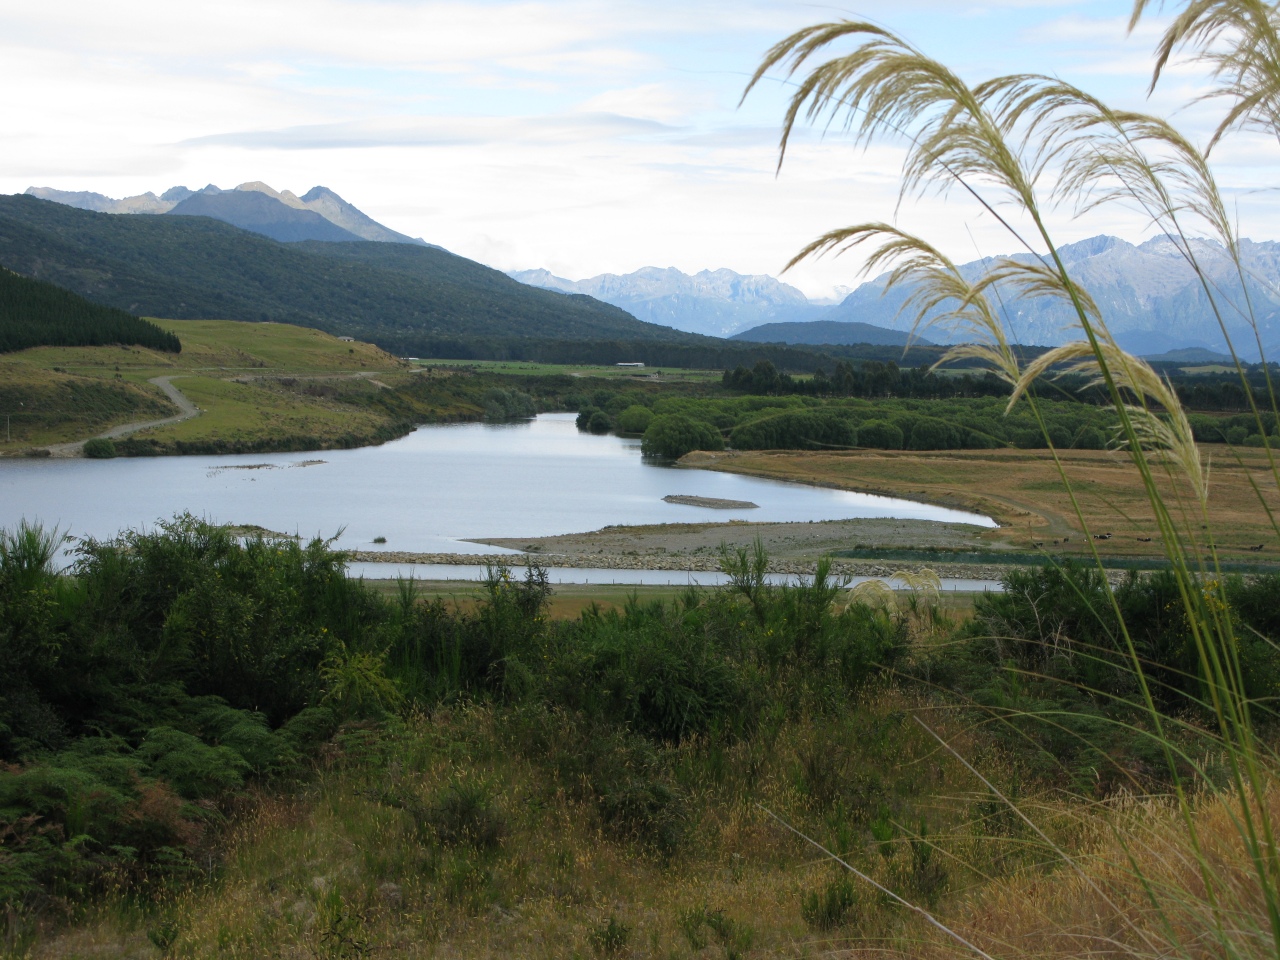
[
  {"x": 1196, "y": 873},
  {"x": 355, "y": 864}
]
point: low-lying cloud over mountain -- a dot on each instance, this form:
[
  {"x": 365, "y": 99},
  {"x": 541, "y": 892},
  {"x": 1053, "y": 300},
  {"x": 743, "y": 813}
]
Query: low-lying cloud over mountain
[
  {"x": 717, "y": 303},
  {"x": 319, "y": 214}
]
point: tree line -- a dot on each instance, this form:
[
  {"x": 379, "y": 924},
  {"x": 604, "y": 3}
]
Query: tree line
[{"x": 38, "y": 314}]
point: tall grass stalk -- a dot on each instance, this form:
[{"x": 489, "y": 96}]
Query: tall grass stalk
[{"x": 1033, "y": 144}]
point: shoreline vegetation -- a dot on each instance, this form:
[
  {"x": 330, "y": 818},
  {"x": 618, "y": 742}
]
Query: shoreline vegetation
[{"x": 269, "y": 758}]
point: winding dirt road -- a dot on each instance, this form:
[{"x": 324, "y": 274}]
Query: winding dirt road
[{"x": 189, "y": 410}]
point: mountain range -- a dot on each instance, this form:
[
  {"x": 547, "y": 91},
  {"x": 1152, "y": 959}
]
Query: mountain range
[
  {"x": 1152, "y": 300},
  {"x": 319, "y": 214},
  {"x": 310, "y": 261},
  {"x": 716, "y": 303},
  {"x": 405, "y": 297}
]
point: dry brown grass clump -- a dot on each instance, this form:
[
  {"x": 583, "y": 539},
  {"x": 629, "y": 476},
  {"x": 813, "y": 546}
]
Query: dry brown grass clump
[{"x": 1137, "y": 887}]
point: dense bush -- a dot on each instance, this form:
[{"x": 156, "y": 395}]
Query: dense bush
[
  {"x": 671, "y": 436},
  {"x": 172, "y": 667},
  {"x": 933, "y": 435},
  {"x": 806, "y": 422},
  {"x": 1050, "y": 656},
  {"x": 176, "y": 667},
  {"x": 500, "y": 404},
  {"x": 634, "y": 419},
  {"x": 1238, "y": 430},
  {"x": 99, "y": 449},
  {"x": 880, "y": 435},
  {"x": 594, "y": 420},
  {"x": 817, "y": 429}
]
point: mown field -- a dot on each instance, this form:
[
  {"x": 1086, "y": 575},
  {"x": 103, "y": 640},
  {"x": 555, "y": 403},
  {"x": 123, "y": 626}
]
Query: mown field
[
  {"x": 1023, "y": 490},
  {"x": 601, "y": 371}
]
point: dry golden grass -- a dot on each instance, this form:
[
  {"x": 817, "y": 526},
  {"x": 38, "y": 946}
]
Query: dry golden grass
[
  {"x": 1136, "y": 890},
  {"x": 337, "y": 872},
  {"x": 1024, "y": 492}
]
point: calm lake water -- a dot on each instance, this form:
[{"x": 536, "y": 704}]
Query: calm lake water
[
  {"x": 600, "y": 575},
  {"x": 426, "y": 492}
]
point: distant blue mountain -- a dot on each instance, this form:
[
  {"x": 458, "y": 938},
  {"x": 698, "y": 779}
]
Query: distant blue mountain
[
  {"x": 259, "y": 213},
  {"x": 716, "y": 303},
  {"x": 1150, "y": 297}
]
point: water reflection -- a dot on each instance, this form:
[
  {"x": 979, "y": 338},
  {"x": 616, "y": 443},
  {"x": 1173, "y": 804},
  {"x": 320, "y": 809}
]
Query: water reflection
[{"x": 427, "y": 492}]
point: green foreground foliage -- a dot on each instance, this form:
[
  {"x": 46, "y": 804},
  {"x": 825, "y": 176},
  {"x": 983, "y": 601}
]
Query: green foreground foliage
[{"x": 168, "y": 673}]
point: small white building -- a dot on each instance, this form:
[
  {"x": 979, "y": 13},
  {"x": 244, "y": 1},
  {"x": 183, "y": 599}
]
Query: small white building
[
  {"x": 639, "y": 366},
  {"x": 347, "y": 339}
]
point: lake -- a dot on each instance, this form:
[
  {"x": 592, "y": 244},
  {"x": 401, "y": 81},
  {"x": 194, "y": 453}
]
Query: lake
[
  {"x": 426, "y": 492},
  {"x": 471, "y": 573}
]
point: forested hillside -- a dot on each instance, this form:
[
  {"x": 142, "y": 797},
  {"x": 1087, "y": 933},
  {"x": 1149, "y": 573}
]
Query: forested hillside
[
  {"x": 193, "y": 267},
  {"x": 38, "y": 314}
]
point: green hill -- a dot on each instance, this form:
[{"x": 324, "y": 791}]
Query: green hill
[
  {"x": 197, "y": 268},
  {"x": 38, "y": 314}
]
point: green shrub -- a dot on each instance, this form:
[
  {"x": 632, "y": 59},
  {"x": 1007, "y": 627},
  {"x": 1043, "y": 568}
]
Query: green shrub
[
  {"x": 1090, "y": 438},
  {"x": 634, "y": 419},
  {"x": 880, "y": 435},
  {"x": 464, "y": 812},
  {"x": 600, "y": 422},
  {"x": 933, "y": 435},
  {"x": 191, "y": 767},
  {"x": 500, "y": 404},
  {"x": 830, "y": 907},
  {"x": 671, "y": 436},
  {"x": 99, "y": 449}
]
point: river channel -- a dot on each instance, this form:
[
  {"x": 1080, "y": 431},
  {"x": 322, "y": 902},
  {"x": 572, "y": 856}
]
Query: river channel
[{"x": 430, "y": 491}]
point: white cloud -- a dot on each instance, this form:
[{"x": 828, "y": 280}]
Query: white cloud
[{"x": 589, "y": 136}]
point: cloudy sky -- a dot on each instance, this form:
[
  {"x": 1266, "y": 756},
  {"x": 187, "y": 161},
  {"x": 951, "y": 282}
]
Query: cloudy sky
[{"x": 583, "y": 136}]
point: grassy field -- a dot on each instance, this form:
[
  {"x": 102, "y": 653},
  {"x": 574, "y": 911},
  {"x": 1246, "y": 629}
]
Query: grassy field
[
  {"x": 1023, "y": 491},
  {"x": 57, "y": 394},
  {"x": 523, "y": 368},
  {"x": 253, "y": 413}
]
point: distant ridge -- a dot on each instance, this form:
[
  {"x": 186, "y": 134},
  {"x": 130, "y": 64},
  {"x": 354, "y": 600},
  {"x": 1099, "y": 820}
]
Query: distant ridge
[
  {"x": 834, "y": 332},
  {"x": 262, "y": 214},
  {"x": 1190, "y": 355},
  {"x": 714, "y": 303},
  {"x": 320, "y": 214}
]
